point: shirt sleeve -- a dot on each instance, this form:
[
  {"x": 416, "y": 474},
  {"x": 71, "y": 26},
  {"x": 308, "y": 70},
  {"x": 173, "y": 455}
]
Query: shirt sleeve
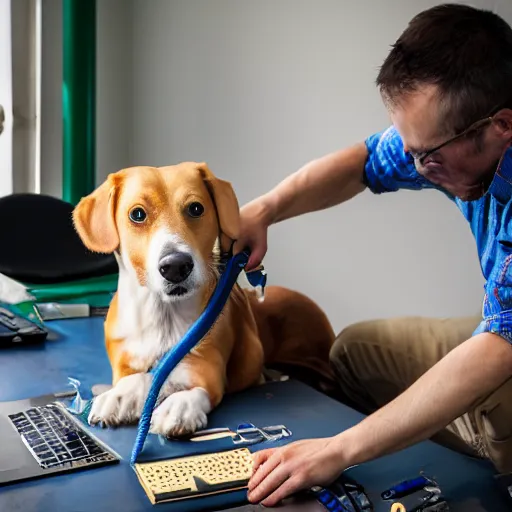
[
  {"x": 497, "y": 304},
  {"x": 388, "y": 167},
  {"x": 500, "y": 324}
]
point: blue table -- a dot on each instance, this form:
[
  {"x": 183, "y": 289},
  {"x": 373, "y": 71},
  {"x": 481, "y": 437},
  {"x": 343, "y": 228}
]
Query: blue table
[{"x": 76, "y": 348}]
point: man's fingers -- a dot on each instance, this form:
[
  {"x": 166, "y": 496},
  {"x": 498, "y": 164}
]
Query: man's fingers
[
  {"x": 253, "y": 262},
  {"x": 254, "y": 259},
  {"x": 268, "y": 484},
  {"x": 289, "y": 487},
  {"x": 257, "y": 255},
  {"x": 257, "y": 248},
  {"x": 263, "y": 465},
  {"x": 260, "y": 457}
]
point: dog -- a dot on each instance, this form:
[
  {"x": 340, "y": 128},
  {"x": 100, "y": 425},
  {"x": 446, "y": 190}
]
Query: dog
[{"x": 167, "y": 228}]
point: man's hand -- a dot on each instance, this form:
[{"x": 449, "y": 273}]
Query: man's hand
[
  {"x": 280, "y": 472},
  {"x": 255, "y": 219}
]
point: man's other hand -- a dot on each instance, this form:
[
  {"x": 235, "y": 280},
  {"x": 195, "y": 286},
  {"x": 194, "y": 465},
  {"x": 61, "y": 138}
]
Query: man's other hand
[{"x": 281, "y": 472}]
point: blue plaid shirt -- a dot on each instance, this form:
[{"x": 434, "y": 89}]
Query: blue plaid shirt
[{"x": 389, "y": 169}]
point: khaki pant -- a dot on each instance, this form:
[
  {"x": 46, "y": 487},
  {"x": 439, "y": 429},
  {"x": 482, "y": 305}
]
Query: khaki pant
[{"x": 377, "y": 360}]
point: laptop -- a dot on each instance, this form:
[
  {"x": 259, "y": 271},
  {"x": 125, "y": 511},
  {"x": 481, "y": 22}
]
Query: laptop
[{"x": 39, "y": 437}]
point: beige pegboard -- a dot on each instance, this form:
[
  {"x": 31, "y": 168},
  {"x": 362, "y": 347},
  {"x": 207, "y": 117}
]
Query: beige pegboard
[{"x": 175, "y": 479}]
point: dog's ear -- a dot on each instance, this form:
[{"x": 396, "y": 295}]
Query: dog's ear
[
  {"x": 94, "y": 218},
  {"x": 228, "y": 209}
]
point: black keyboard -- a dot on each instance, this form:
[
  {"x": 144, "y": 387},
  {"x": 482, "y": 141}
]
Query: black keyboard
[
  {"x": 56, "y": 439},
  {"x": 15, "y": 329}
]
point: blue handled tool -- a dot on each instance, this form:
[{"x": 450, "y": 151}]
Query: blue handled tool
[
  {"x": 407, "y": 487},
  {"x": 328, "y": 499},
  {"x": 192, "y": 337}
]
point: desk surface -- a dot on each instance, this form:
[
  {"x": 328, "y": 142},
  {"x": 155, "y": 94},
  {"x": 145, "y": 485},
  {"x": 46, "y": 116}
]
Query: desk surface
[{"x": 75, "y": 349}]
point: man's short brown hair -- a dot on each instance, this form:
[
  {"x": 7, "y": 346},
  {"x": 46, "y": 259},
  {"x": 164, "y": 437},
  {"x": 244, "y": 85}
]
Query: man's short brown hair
[{"x": 464, "y": 51}]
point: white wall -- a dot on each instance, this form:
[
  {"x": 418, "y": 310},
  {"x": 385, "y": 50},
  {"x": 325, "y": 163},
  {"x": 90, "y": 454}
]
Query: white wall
[
  {"x": 114, "y": 95},
  {"x": 256, "y": 89}
]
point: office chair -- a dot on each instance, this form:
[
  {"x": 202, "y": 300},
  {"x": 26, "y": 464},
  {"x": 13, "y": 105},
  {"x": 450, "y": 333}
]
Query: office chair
[{"x": 39, "y": 244}]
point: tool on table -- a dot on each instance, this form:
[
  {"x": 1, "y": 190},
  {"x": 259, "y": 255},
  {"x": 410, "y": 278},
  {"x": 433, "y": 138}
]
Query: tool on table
[
  {"x": 417, "y": 494},
  {"x": 330, "y": 501},
  {"x": 246, "y": 434},
  {"x": 57, "y": 311},
  {"x": 344, "y": 495},
  {"x": 70, "y": 393},
  {"x": 407, "y": 487}
]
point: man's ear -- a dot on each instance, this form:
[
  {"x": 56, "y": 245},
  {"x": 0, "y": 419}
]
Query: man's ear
[
  {"x": 94, "y": 218},
  {"x": 228, "y": 209},
  {"x": 503, "y": 123}
]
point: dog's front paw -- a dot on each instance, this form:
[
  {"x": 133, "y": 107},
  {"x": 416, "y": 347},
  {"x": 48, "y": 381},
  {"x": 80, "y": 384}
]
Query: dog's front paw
[
  {"x": 181, "y": 413},
  {"x": 123, "y": 403}
]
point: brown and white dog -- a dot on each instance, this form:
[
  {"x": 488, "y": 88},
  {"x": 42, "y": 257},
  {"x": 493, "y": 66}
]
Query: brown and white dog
[{"x": 166, "y": 226}]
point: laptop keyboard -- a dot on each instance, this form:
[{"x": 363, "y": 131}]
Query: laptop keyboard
[{"x": 55, "y": 439}]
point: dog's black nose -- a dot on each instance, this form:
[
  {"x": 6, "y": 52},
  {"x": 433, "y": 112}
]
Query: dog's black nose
[{"x": 176, "y": 267}]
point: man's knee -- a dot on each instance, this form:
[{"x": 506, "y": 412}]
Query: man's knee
[
  {"x": 376, "y": 360},
  {"x": 363, "y": 357},
  {"x": 345, "y": 361},
  {"x": 420, "y": 340},
  {"x": 356, "y": 341},
  {"x": 347, "y": 339}
]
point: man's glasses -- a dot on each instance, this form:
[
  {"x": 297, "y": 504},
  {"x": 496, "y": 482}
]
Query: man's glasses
[{"x": 419, "y": 159}]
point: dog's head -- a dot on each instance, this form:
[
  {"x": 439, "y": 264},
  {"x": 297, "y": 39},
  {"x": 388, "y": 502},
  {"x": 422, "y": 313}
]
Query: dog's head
[{"x": 162, "y": 222}]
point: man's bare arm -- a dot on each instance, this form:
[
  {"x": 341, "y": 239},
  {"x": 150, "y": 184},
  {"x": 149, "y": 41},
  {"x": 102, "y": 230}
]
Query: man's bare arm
[
  {"x": 465, "y": 376},
  {"x": 324, "y": 182},
  {"x": 320, "y": 184}
]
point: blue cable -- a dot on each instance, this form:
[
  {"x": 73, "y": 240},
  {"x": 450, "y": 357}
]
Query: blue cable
[{"x": 192, "y": 337}]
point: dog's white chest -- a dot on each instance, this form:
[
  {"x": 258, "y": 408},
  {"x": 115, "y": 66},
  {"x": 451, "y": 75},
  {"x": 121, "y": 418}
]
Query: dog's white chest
[
  {"x": 150, "y": 329},
  {"x": 150, "y": 344}
]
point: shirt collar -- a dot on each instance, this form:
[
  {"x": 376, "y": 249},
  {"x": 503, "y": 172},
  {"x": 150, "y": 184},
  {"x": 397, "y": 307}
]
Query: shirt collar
[{"x": 501, "y": 185}]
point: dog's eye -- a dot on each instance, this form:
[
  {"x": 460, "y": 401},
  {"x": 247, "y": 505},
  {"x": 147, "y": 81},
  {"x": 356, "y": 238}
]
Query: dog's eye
[
  {"x": 138, "y": 215},
  {"x": 195, "y": 209}
]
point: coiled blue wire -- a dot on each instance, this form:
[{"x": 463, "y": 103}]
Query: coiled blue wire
[{"x": 192, "y": 337}]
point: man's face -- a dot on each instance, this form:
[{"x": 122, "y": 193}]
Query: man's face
[{"x": 464, "y": 167}]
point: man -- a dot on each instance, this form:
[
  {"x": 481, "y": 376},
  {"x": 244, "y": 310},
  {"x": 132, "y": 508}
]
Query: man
[{"x": 447, "y": 85}]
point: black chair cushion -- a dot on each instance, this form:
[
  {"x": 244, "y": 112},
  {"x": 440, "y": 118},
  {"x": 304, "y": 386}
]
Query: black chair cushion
[{"x": 39, "y": 244}]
